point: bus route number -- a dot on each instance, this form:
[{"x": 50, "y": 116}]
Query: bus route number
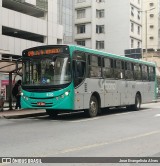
[{"x": 50, "y": 95}]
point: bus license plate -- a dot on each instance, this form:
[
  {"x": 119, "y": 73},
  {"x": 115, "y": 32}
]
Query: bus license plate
[{"x": 41, "y": 104}]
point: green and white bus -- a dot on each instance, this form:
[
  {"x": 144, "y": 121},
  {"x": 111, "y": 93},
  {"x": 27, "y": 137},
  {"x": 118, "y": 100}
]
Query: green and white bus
[{"x": 68, "y": 78}]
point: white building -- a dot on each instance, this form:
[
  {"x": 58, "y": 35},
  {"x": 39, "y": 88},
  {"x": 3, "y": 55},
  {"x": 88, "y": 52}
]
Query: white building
[
  {"x": 108, "y": 25},
  {"x": 28, "y": 23},
  {"x": 151, "y": 24}
]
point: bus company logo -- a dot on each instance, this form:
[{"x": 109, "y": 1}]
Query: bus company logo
[
  {"x": 108, "y": 85},
  {"x": 6, "y": 160}
]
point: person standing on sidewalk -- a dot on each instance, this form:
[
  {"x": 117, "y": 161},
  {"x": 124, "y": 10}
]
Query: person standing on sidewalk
[
  {"x": 16, "y": 92},
  {"x": 1, "y": 102}
]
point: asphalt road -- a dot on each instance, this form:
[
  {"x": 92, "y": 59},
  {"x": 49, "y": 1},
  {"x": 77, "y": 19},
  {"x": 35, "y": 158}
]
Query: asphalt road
[{"x": 116, "y": 133}]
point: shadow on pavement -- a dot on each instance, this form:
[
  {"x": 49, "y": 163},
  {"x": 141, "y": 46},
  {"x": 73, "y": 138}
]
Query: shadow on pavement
[{"x": 82, "y": 116}]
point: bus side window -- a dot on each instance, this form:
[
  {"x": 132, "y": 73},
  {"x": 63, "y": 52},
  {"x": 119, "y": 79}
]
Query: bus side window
[
  {"x": 118, "y": 71},
  {"x": 107, "y": 69},
  {"x": 94, "y": 66},
  {"x": 137, "y": 72},
  {"x": 145, "y": 72},
  {"x": 79, "y": 67},
  {"x": 151, "y": 73},
  {"x": 128, "y": 70}
]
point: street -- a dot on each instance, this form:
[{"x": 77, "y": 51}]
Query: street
[{"x": 116, "y": 133}]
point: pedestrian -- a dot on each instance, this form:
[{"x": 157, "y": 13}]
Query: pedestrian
[
  {"x": 1, "y": 102},
  {"x": 16, "y": 92}
]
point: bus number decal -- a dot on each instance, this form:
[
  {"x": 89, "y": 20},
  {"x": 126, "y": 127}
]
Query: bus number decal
[{"x": 50, "y": 95}]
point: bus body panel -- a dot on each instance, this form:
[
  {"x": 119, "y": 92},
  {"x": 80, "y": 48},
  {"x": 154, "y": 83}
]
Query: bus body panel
[{"x": 51, "y": 100}]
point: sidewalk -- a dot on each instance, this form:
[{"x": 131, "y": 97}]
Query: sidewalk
[{"x": 8, "y": 114}]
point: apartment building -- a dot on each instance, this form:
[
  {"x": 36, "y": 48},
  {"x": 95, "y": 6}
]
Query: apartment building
[
  {"x": 28, "y": 23},
  {"x": 108, "y": 25},
  {"x": 151, "y": 24}
]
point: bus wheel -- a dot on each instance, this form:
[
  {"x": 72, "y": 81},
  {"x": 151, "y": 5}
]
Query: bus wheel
[
  {"x": 137, "y": 104},
  {"x": 52, "y": 113},
  {"x": 93, "y": 107}
]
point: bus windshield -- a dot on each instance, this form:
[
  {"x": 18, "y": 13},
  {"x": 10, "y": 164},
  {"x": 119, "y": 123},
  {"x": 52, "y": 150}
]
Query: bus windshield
[{"x": 46, "y": 70}]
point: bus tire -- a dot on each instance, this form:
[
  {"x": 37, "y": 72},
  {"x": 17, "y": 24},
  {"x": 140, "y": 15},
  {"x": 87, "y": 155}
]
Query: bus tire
[
  {"x": 93, "y": 107},
  {"x": 52, "y": 113},
  {"x": 137, "y": 104}
]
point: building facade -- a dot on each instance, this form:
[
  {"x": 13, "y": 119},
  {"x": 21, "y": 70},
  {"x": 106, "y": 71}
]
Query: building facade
[
  {"x": 151, "y": 24},
  {"x": 108, "y": 25},
  {"x": 65, "y": 18},
  {"x": 31, "y": 23},
  {"x": 28, "y": 23}
]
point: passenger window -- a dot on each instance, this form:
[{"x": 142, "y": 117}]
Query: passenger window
[
  {"x": 107, "y": 70},
  {"x": 145, "y": 72},
  {"x": 151, "y": 73},
  {"x": 94, "y": 66},
  {"x": 129, "y": 70},
  {"x": 79, "y": 68},
  {"x": 118, "y": 71},
  {"x": 137, "y": 72}
]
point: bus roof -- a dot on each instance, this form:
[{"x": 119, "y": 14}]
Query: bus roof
[
  {"x": 92, "y": 51},
  {"x": 81, "y": 48}
]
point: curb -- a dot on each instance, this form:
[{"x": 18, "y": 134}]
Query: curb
[{"x": 22, "y": 116}]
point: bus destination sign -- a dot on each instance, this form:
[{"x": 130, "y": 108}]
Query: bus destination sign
[{"x": 44, "y": 52}]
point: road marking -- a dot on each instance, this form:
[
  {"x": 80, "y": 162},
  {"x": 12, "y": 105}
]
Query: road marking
[
  {"x": 85, "y": 120},
  {"x": 158, "y": 115},
  {"x": 74, "y": 149},
  {"x": 107, "y": 143}
]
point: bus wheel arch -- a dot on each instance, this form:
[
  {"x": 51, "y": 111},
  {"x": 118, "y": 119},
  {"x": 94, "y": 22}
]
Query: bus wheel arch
[{"x": 94, "y": 105}]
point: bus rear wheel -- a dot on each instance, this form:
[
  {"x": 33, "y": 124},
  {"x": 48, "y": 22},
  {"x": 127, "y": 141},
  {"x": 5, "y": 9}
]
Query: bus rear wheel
[
  {"x": 137, "y": 104},
  {"x": 52, "y": 113},
  {"x": 93, "y": 107}
]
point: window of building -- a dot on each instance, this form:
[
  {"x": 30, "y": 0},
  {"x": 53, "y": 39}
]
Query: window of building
[
  {"x": 138, "y": 30},
  {"x": 81, "y": 42},
  {"x": 132, "y": 43},
  {"x": 151, "y": 4},
  {"x": 132, "y": 11},
  {"x": 99, "y": 44},
  {"x": 132, "y": 27},
  {"x": 99, "y": 28},
  {"x": 138, "y": 44},
  {"x": 151, "y": 26},
  {"x": 151, "y": 37},
  {"x": 151, "y": 15},
  {"x": 138, "y": 15},
  {"x": 100, "y": 1},
  {"x": 81, "y": 28},
  {"x": 81, "y": 13},
  {"x": 100, "y": 13}
]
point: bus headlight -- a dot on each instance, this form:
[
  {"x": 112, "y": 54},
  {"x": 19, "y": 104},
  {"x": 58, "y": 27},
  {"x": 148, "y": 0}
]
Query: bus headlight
[
  {"x": 21, "y": 93},
  {"x": 67, "y": 93}
]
